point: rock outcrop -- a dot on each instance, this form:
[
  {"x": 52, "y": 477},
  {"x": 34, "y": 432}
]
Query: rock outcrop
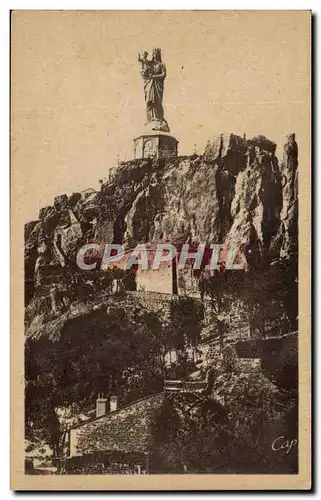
[
  {"x": 237, "y": 193},
  {"x": 289, "y": 212}
]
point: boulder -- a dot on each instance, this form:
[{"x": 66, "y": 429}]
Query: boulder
[{"x": 61, "y": 202}]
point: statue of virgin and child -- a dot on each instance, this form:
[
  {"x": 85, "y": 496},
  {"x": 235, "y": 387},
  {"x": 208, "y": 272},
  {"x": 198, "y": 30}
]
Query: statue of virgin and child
[{"x": 153, "y": 73}]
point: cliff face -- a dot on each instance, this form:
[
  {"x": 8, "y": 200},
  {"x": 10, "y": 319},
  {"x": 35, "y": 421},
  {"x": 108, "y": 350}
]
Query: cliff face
[
  {"x": 236, "y": 192},
  {"x": 289, "y": 212}
]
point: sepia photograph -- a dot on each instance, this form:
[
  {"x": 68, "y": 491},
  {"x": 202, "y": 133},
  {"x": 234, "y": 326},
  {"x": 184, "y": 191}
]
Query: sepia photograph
[{"x": 161, "y": 272}]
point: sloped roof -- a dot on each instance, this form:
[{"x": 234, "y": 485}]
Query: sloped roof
[{"x": 126, "y": 429}]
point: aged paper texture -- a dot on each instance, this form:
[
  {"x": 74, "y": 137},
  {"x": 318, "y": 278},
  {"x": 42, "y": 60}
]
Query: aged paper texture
[{"x": 160, "y": 261}]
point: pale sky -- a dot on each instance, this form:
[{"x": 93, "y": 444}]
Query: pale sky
[{"x": 77, "y": 94}]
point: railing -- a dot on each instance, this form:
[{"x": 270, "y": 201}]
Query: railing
[{"x": 185, "y": 385}]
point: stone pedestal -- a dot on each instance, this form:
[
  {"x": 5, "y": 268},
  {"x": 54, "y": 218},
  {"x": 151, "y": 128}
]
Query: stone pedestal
[{"x": 155, "y": 144}]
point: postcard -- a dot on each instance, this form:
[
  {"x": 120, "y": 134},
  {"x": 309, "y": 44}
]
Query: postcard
[{"x": 161, "y": 233}]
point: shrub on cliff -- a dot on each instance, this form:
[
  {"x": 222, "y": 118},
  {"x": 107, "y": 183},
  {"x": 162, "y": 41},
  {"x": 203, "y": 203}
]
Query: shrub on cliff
[{"x": 232, "y": 430}]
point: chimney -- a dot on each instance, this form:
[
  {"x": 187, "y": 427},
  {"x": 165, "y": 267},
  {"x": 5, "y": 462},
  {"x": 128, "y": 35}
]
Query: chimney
[
  {"x": 113, "y": 403},
  {"x": 101, "y": 406}
]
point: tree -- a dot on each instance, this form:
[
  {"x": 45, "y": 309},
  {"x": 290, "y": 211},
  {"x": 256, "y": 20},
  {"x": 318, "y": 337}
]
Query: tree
[
  {"x": 116, "y": 351},
  {"x": 117, "y": 275},
  {"x": 221, "y": 288},
  {"x": 186, "y": 323},
  {"x": 199, "y": 434},
  {"x": 266, "y": 295}
]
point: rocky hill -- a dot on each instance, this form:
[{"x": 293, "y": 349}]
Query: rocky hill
[
  {"x": 83, "y": 338},
  {"x": 237, "y": 192}
]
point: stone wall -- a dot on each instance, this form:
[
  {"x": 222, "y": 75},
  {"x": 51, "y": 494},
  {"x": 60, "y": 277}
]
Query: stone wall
[
  {"x": 127, "y": 429},
  {"x": 153, "y": 301},
  {"x": 287, "y": 345},
  {"x": 155, "y": 280}
]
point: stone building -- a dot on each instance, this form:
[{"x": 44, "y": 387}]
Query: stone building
[
  {"x": 167, "y": 278},
  {"x": 116, "y": 440},
  {"x": 120, "y": 440}
]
